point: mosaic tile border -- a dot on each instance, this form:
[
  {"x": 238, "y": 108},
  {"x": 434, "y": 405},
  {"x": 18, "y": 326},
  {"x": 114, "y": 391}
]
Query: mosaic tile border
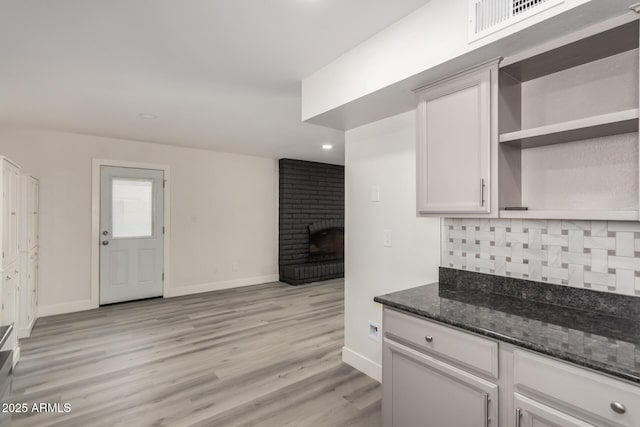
[{"x": 598, "y": 255}]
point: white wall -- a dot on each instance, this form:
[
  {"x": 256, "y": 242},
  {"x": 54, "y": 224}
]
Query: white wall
[
  {"x": 382, "y": 154},
  {"x": 223, "y": 213},
  {"x": 433, "y": 35}
]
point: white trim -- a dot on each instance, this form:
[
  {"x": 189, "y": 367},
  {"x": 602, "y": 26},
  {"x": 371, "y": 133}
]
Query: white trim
[
  {"x": 16, "y": 356},
  {"x": 362, "y": 364},
  {"x": 95, "y": 224},
  {"x": 65, "y": 307},
  {"x": 217, "y": 286},
  {"x": 26, "y": 332}
]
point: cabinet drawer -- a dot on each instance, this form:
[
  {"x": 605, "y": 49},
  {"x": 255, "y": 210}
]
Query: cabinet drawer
[
  {"x": 582, "y": 390},
  {"x": 462, "y": 348}
]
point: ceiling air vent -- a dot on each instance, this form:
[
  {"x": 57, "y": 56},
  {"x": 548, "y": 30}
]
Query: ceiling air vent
[{"x": 488, "y": 16}]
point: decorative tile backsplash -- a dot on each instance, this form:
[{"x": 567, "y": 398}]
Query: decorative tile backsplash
[{"x": 598, "y": 255}]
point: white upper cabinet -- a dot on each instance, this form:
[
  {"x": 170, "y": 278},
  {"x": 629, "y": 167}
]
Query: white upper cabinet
[
  {"x": 456, "y": 135},
  {"x": 568, "y": 113},
  {"x": 548, "y": 133}
]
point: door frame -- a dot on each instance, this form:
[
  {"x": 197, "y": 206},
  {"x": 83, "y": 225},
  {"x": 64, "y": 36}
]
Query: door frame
[{"x": 95, "y": 221}]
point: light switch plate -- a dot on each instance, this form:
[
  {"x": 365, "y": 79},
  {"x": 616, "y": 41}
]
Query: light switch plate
[
  {"x": 388, "y": 238},
  {"x": 375, "y": 193}
]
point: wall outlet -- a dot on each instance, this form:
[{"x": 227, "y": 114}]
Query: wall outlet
[
  {"x": 374, "y": 331},
  {"x": 388, "y": 238}
]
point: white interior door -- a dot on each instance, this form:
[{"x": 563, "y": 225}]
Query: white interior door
[{"x": 131, "y": 234}]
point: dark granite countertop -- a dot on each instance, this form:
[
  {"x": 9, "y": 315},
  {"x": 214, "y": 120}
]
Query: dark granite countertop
[{"x": 596, "y": 340}]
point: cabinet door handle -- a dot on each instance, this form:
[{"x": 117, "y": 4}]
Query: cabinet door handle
[
  {"x": 518, "y": 417},
  {"x": 481, "y": 191},
  {"x": 618, "y": 408},
  {"x": 486, "y": 410},
  {"x": 428, "y": 338}
]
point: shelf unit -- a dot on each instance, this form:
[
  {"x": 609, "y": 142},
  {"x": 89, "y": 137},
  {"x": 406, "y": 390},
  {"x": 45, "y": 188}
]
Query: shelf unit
[
  {"x": 601, "y": 125},
  {"x": 568, "y": 125},
  {"x": 611, "y": 215}
]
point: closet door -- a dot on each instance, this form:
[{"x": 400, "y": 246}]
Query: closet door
[
  {"x": 6, "y": 211},
  {"x": 32, "y": 213},
  {"x": 11, "y": 180}
]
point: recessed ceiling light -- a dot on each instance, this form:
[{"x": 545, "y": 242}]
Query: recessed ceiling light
[
  {"x": 327, "y": 146},
  {"x": 147, "y": 116}
]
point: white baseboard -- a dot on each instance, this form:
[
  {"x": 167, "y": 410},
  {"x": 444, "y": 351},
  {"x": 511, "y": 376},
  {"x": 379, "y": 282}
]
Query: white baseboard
[
  {"x": 26, "y": 332},
  {"x": 362, "y": 364},
  {"x": 217, "y": 286},
  {"x": 66, "y": 307},
  {"x": 72, "y": 307}
]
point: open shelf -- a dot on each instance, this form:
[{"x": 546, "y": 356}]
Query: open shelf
[
  {"x": 575, "y": 130},
  {"x": 572, "y": 51},
  {"x": 605, "y": 215},
  {"x": 568, "y": 126}
]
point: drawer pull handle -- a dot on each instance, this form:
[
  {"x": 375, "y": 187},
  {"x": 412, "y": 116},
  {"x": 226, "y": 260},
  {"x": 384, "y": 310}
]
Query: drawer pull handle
[
  {"x": 618, "y": 408},
  {"x": 428, "y": 338}
]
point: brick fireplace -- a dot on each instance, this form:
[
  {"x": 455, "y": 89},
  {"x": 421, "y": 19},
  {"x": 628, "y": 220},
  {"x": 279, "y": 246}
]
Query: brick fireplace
[{"x": 311, "y": 221}]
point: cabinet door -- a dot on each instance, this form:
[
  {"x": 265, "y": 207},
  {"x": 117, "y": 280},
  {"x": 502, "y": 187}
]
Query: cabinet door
[
  {"x": 33, "y": 213},
  {"x": 10, "y": 296},
  {"x": 31, "y": 287},
  {"x": 530, "y": 413},
  {"x": 6, "y": 211},
  {"x": 454, "y": 145},
  {"x": 13, "y": 226},
  {"x": 36, "y": 213},
  {"x": 11, "y": 180},
  {"x": 420, "y": 390}
]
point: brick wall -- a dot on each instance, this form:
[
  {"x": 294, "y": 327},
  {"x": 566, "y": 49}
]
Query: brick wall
[{"x": 309, "y": 192}]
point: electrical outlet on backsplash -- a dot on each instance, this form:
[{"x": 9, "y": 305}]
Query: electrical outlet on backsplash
[{"x": 597, "y": 255}]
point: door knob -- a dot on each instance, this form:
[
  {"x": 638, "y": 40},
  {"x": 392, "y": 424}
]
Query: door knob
[{"x": 105, "y": 242}]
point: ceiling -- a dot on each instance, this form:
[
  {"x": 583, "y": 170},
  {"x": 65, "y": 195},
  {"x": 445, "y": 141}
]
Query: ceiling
[{"x": 222, "y": 75}]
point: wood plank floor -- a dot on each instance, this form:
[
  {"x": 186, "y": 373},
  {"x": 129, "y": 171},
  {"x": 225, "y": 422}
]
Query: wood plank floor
[{"x": 265, "y": 355}]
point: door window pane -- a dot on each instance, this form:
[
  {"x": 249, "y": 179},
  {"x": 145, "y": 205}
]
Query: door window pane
[{"x": 132, "y": 207}]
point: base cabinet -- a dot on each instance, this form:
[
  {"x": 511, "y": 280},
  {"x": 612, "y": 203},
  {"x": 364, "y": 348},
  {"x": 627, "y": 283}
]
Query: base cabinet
[
  {"x": 420, "y": 390},
  {"x": 530, "y": 413},
  {"x": 427, "y": 380},
  {"x": 10, "y": 289},
  {"x": 10, "y": 284},
  {"x": 27, "y": 295}
]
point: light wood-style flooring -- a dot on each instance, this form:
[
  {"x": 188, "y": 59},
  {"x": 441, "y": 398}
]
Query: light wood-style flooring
[{"x": 265, "y": 355}]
